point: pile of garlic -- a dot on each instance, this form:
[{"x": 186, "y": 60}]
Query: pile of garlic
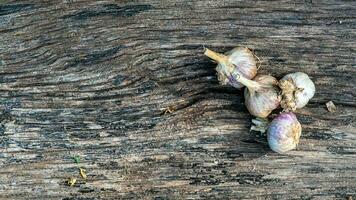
[{"x": 264, "y": 93}]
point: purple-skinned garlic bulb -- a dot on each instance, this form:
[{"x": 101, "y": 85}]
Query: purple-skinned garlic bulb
[
  {"x": 283, "y": 132},
  {"x": 297, "y": 89},
  {"x": 239, "y": 60}
]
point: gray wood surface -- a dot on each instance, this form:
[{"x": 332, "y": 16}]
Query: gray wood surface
[{"x": 93, "y": 79}]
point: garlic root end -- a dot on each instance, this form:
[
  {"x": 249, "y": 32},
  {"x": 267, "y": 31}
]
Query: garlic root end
[{"x": 288, "y": 90}]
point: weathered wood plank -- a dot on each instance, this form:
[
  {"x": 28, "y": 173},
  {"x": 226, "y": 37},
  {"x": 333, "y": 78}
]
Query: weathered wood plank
[{"x": 93, "y": 78}]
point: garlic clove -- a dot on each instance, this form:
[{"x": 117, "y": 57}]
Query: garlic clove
[
  {"x": 239, "y": 60},
  {"x": 262, "y": 100},
  {"x": 259, "y": 125},
  {"x": 284, "y": 132},
  {"x": 297, "y": 89}
]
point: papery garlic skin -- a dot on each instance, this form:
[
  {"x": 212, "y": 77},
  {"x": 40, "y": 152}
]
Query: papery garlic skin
[
  {"x": 262, "y": 100},
  {"x": 284, "y": 132},
  {"x": 239, "y": 60},
  {"x": 297, "y": 89}
]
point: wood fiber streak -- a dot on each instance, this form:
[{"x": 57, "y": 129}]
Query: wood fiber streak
[{"x": 93, "y": 78}]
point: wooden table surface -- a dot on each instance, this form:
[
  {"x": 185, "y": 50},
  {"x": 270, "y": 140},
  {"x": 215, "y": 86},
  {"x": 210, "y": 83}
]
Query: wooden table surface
[{"x": 92, "y": 80}]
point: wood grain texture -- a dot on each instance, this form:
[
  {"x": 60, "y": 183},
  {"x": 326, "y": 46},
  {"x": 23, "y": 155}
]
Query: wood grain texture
[{"x": 93, "y": 78}]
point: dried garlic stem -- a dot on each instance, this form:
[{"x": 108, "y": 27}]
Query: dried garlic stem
[
  {"x": 216, "y": 56},
  {"x": 220, "y": 58},
  {"x": 251, "y": 85}
]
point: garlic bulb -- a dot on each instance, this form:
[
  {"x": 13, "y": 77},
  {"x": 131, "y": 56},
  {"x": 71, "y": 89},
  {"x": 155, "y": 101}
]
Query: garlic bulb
[
  {"x": 239, "y": 60},
  {"x": 297, "y": 89},
  {"x": 284, "y": 132},
  {"x": 261, "y": 94}
]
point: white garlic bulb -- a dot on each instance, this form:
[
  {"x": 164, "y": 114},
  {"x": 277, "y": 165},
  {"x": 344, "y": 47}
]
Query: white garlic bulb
[
  {"x": 261, "y": 95},
  {"x": 239, "y": 60},
  {"x": 297, "y": 89}
]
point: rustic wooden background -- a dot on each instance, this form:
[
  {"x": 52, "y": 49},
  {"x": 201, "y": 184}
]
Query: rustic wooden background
[{"x": 94, "y": 78}]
